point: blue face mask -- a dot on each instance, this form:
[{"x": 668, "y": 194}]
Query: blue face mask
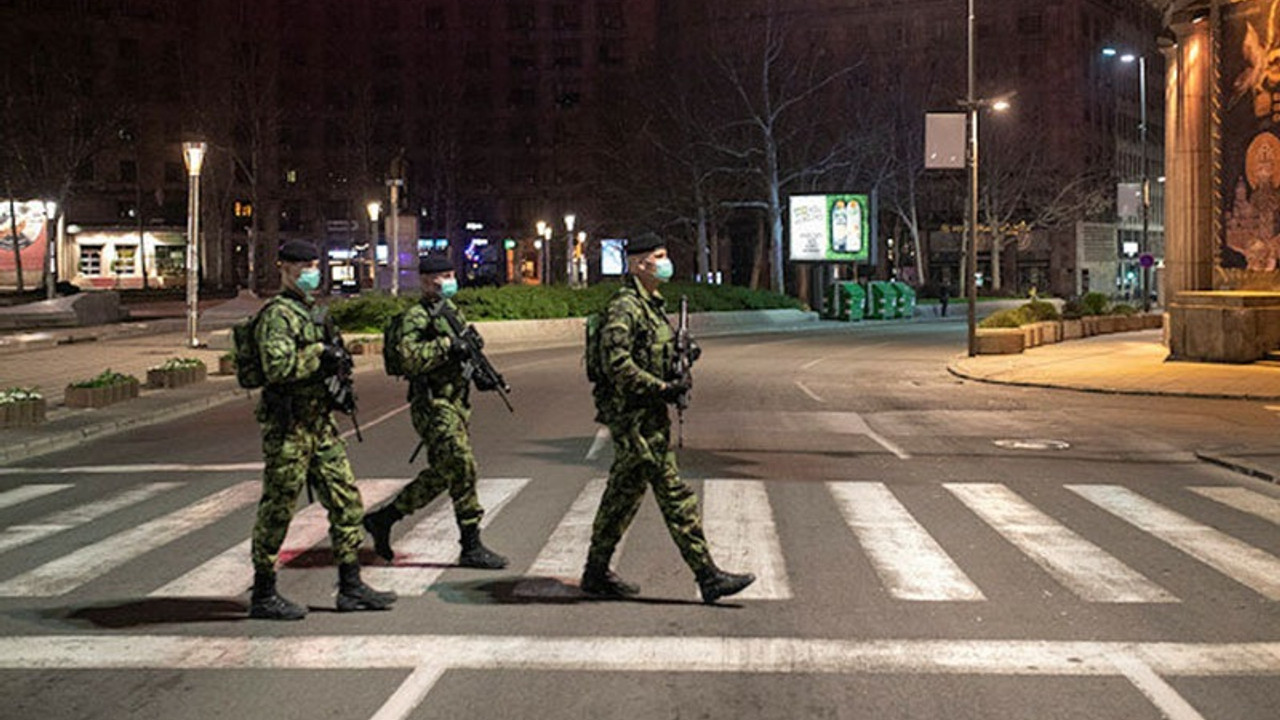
[
  {"x": 663, "y": 269},
  {"x": 448, "y": 287},
  {"x": 309, "y": 280}
]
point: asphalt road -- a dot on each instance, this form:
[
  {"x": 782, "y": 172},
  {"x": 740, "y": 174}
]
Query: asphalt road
[{"x": 928, "y": 548}]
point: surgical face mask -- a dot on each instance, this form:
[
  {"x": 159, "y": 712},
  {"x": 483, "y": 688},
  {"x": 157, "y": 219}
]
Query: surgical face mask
[
  {"x": 448, "y": 287},
  {"x": 663, "y": 269},
  {"x": 309, "y": 280}
]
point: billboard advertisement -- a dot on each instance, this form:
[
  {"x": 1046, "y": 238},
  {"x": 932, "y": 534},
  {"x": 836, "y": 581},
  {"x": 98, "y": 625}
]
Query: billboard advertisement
[
  {"x": 613, "y": 257},
  {"x": 32, "y": 236},
  {"x": 830, "y": 228}
]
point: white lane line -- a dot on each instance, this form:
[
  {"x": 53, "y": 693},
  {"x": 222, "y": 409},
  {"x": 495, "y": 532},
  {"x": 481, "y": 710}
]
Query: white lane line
[
  {"x": 231, "y": 572},
  {"x": 1237, "y": 560},
  {"x": 1246, "y": 501},
  {"x": 431, "y": 546},
  {"x": 1084, "y": 568},
  {"x": 133, "y": 469},
  {"x": 19, "y": 535},
  {"x": 1026, "y": 658},
  {"x": 1160, "y": 693},
  {"x": 812, "y": 363},
  {"x": 375, "y": 422},
  {"x": 805, "y": 389},
  {"x": 410, "y": 694},
  {"x": 888, "y": 444},
  {"x": 906, "y": 557},
  {"x": 599, "y": 443},
  {"x": 23, "y": 493},
  {"x": 88, "y": 563},
  {"x": 743, "y": 537},
  {"x": 565, "y": 553}
]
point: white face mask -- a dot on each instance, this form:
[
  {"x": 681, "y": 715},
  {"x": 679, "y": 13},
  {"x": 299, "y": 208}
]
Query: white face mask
[{"x": 663, "y": 269}]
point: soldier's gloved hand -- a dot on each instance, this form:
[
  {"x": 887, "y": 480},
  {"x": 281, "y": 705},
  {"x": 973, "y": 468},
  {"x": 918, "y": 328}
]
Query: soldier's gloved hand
[
  {"x": 330, "y": 359},
  {"x": 457, "y": 347},
  {"x": 484, "y": 383},
  {"x": 695, "y": 352},
  {"x": 672, "y": 391}
]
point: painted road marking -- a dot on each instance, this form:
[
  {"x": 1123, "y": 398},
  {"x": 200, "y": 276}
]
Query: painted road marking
[
  {"x": 1247, "y": 501},
  {"x": 134, "y": 469},
  {"x": 431, "y": 546},
  {"x": 565, "y": 554},
  {"x": 1237, "y": 560},
  {"x": 231, "y": 572},
  {"x": 599, "y": 443},
  {"x": 88, "y": 563},
  {"x": 411, "y": 693},
  {"x": 743, "y": 537},
  {"x": 805, "y": 389},
  {"x": 1084, "y": 568},
  {"x": 375, "y": 422},
  {"x": 23, "y": 493},
  {"x": 1160, "y": 693},
  {"x": 19, "y": 535},
  {"x": 906, "y": 557}
]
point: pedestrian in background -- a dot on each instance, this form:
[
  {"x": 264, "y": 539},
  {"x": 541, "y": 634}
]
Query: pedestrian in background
[
  {"x": 637, "y": 349},
  {"x": 439, "y": 406},
  {"x": 300, "y": 442},
  {"x": 944, "y": 297}
]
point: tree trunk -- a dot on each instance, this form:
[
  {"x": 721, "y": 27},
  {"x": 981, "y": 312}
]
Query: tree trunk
[
  {"x": 760, "y": 261},
  {"x": 995, "y": 262}
]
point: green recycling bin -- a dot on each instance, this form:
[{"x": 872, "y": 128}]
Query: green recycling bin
[
  {"x": 853, "y": 299},
  {"x": 882, "y": 300},
  {"x": 835, "y": 307},
  {"x": 906, "y": 305}
]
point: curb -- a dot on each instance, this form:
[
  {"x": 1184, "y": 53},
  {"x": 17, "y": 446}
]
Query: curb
[
  {"x": 1237, "y": 466},
  {"x": 954, "y": 370}
]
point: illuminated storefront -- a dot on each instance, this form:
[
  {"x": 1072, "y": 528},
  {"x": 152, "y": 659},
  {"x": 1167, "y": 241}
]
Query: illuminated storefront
[{"x": 115, "y": 259}]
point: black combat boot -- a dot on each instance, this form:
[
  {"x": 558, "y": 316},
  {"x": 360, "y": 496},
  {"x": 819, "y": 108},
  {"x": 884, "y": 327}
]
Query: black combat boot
[
  {"x": 378, "y": 525},
  {"x": 599, "y": 580},
  {"x": 354, "y": 595},
  {"x": 475, "y": 554},
  {"x": 267, "y": 604},
  {"x": 715, "y": 583}
]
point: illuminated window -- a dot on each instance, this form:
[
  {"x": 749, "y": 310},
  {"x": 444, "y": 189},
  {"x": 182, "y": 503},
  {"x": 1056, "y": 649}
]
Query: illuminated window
[
  {"x": 126, "y": 260},
  {"x": 91, "y": 260}
]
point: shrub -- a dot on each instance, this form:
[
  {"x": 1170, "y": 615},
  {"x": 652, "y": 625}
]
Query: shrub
[
  {"x": 179, "y": 363},
  {"x": 1012, "y": 318},
  {"x": 1123, "y": 309},
  {"x": 368, "y": 313},
  {"x": 1041, "y": 310},
  {"x": 1095, "y": 303},
  {"x": 105, "y": 378},
  {"x": 17, "y": 394},
  {"x": 1073, "y": 310}
]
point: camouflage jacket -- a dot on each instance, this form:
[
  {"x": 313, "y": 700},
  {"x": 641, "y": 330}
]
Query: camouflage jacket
[
  {"x": 637, "y": 344},
  {"x": 435, "y": 373},
  {"x": 290, "y": 343}
]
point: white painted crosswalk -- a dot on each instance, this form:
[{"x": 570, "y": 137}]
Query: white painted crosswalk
[{"x": 886, "y": 534}]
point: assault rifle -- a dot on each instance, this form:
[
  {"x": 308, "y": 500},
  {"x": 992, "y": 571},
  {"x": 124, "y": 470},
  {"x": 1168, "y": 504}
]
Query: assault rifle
[
  {"x": 682, "y": 363},
  {"x": 339, "y": 369},
  {"x": 476, "y": 367}
]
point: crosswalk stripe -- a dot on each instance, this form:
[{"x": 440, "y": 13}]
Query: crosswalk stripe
[
  {"x": 231, "y": 572},
  {"x": 565, "y": 553},
  {"x": 23, "y": 493},
  {"x": 71, "y": 571},
  {"x": 743, "y": 537},
  {"x": 1237, "y": 560},
  {"x": 906, "y": 557},
  {"x": 1084, "y": 568},
  {"x": 431, "y": 546},
  {"x": 27, "y": 533},
  {"x": 1246, "y": 501}
]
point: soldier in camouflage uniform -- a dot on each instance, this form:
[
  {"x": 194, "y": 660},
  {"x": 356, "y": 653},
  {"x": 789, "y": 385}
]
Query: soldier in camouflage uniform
[
  {"x": 300, "y": 443},
  {"x": 439, "y": 406},
  {"x": 638, "y": 346}
]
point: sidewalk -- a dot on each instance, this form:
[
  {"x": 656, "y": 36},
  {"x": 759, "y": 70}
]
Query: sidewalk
[{"x": 1134, "y": 363}]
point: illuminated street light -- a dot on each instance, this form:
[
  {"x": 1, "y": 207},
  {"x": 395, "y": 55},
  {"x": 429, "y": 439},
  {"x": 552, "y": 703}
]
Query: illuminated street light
[
  {"x": 52, "y": 238},
  {"x": 193, "y": 155},
  {"x": 1144, "y": 278},
  {"x": 374, "y": 209}
]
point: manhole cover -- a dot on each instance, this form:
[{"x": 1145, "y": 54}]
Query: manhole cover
[{"x": 1033, "y": 444}]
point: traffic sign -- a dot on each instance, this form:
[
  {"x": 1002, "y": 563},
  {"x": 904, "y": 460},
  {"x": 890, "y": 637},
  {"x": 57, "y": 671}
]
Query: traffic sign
[{"x": 1146, "y": 260}]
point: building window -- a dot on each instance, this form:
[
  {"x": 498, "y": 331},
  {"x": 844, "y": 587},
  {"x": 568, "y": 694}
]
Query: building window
[
  {"x": 128, "y": 171},
  {"x": 126, "y": 260},
  {"x": 523, "y": 97},
  {"x": 611, "y": 54},
  {"x": 521, "y": 16},
  {"x": 568, "y": 53},
  {"x": 567, "y": 16},
  {"x": 170, "y": 260},
  {"x": 476, "y": 57},
  {"x": 610, "y": 16},
  {"x": 433, "y": 17},
  {"x": 91, "y": 260},
  {"x": 524, "y": 56}
]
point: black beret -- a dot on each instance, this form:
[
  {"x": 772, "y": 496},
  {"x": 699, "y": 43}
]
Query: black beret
[
  {"x": 645, "y": 242},
  {"x": 298, "y": 251},
  {"x": 428, "y": 264}
]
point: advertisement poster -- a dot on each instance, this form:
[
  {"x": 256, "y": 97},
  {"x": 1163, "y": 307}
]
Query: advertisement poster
[
  {"x": 613, "y": 260},
  {"x": 829, "y": 228},
  {"x": 32, "y": 237},
  {"x": 1249, "y": 249}
]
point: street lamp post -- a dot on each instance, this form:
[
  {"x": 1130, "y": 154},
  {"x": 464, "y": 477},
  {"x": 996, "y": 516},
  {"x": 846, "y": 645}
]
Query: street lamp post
[
  {"x": 1144, "y": 247},
  {"x": 394, "y": 249},
  {"x": 374, "y": 208},
  {"x": 971, "y": 280},
  {"x": 193, "y": 155},
  {"x": 569, "y": 278},
  {"x": 51, "y": 238}
]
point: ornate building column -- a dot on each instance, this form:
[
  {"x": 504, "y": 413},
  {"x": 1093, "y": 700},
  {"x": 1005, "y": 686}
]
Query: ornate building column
[{"x": 1189, "y": 136}]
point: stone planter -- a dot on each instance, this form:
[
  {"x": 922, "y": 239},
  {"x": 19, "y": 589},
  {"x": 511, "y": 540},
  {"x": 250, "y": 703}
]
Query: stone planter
[
  {"x": 1033, "y": 335},
  {"x": 1109, "y": 324},
  {"x": 22, "y": 413},
  {"x": 102, "y": 396},
  {"x": 1000, "y": 341},
  {"x": 175, "y": 377},
  {"x": 226, "y": 365},
  {"x": 1072, "y": 329}
]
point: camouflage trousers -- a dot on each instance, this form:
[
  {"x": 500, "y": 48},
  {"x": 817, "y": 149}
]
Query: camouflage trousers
[
  {"x": 307, "y": 451},
  {"x": 643, "y": 458},
  {"x": 450, "y": 464}
]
